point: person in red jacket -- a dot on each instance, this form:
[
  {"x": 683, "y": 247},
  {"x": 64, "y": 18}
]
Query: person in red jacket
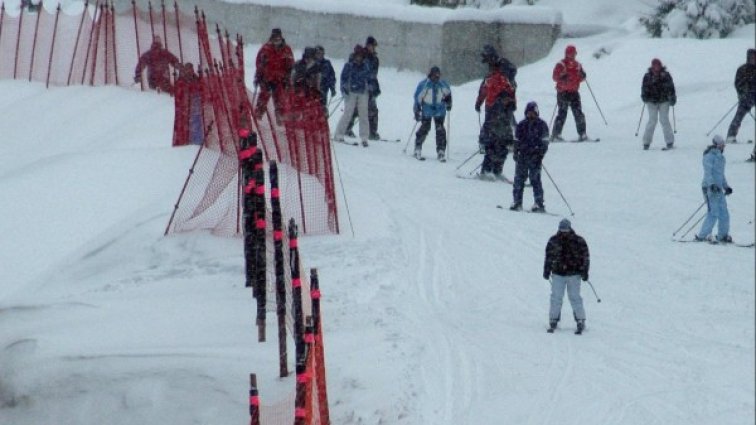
[
  {"x": 568, "y": 74},
  {"x": 188, "y": 99},
  {"x": 496, "y": 134},
  {"x": 274, "y": 63},
  {"x": 157, "y": 61}
]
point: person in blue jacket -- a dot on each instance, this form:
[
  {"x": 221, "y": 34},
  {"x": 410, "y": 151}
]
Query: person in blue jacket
[
  {"x": 432, "y": 99},
  {"x": 531, "y": 144},
  {"x": 327, "y": 77},
  {"x": 715, "y": 188},
  {"x": 355, "y": 83}
]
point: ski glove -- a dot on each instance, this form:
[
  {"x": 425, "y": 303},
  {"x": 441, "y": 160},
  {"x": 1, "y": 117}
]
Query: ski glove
[
  {"x": 585, "y": 277},
  {"x": 672, "y": 100},
  {"x": 418, "y": 117},
  {"x": 728, "y": 190},
  {"x": 448, "y": 100},
  {"x": 546, "y": 275},
  {"x": 477, "y": 107}
]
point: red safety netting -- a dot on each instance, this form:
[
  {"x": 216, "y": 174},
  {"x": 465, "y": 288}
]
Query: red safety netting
[{"x": 101, "y": 47}]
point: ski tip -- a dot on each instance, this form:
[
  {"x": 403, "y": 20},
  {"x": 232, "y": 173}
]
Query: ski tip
[{"x": 501, "y": 207}]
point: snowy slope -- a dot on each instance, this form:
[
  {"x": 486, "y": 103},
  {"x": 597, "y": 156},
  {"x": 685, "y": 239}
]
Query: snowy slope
[{"x": 434, "y": 312}]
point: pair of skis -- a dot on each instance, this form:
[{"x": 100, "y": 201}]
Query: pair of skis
[
  {"x": 713, "y": 242},
  {"x": 577, "y": 331}
]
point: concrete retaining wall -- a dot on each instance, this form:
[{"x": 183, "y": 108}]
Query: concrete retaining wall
[{"x": 452, "y": 40}]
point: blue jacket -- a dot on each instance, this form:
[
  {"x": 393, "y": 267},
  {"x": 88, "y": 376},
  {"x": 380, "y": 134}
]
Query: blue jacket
[
  {"x": 356, "y": 78},
  {"x": 714, "y": 166},
  {"x": 327, "y": 76},
  {"x": 432, "y": 98},
  {"x": 532, "y": 138}
]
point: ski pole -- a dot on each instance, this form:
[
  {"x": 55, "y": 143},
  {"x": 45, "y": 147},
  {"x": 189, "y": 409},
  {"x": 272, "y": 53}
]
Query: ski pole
[
  {"x": 480, "y": 126},
  {"x": 690, "y": 218},
  {"x": 467, "y": 160},
  {"x": 448, "y": 137},
  {"x": 557, "y": 188},
  {"x": 553, "y": 114},
  {"x": 674, "y": 120},
  {"x": 723, "y": 117},
  {"x": 693, "y": 226},
  {"x": 594, "y": 291},
  {"x": 341, "y": 99},
  {"x": 641, "y": 119},
  {"x": 474, "y": 169},
  {"x": 341, "y": 183},
  {"x": 596, "y": 101},
  {"x": 406, "y": 145}
]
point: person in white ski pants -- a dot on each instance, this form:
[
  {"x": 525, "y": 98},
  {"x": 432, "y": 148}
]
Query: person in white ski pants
[{"x": 658, "y": 93}]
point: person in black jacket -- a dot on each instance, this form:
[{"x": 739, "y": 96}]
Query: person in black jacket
[
  {"x": 371, "y": 58},
  {"x": 327, "y": 77},
  {"x": 745, "y": 85},
  {"x": 567, "y": 261},
  {"x": 658, "y": 93}
]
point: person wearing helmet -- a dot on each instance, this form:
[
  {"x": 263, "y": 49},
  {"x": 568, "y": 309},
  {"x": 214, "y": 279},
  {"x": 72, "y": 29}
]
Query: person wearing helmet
[
  {"x": 432, "y": 100},
  {"x": 531, "y": 144},
  {"x": 745, "y": 85},
  {"x": 568, "y": 74},
  {"x": 355, "y": 88}
]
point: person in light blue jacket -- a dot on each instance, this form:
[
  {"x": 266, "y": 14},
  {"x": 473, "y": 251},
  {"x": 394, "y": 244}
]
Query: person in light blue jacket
[
  {"x": 432, "y": 99},
  {"x": 715, "y": 188}
]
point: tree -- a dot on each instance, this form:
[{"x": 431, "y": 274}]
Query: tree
[{"x": 698, "y": 18}]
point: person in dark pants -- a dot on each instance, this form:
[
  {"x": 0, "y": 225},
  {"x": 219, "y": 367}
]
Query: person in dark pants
[
  {"x": 157, "y": 61},
  {"x": 327, "y": 77},
  {"x": 432, "y": 100},
  {"x": 371, "y": 57},
  {"x": 568, "y": 74},
  {"x": 745, "y": 85},
  {"x": 531, "y": 145},
  {"x": 567, "y": 262},
  {"x": 496, "y": 133},
  {"x": 274, "y": 63}
]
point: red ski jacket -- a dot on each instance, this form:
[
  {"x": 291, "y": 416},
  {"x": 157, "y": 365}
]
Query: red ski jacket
[
  {"x": 157, "y": 61},
  {"x": 494, "y": 86},
  {"x": 568, "y": 73},
  {"x": 274, "y": 65}
]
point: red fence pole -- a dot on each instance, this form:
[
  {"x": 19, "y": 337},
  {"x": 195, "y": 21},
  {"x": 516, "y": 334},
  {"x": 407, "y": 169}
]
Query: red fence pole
[
  {"x": 76, "y": 45},
  {"x": 34, "y": 43},
  {"x": 178, "y": 31},
  {"x": 52, "y": 46},
  {"x": 254, "y": 401},
  {"x": 2, "y": 18},
  {"x": 18, "y": 41},
  {"x": 152, "y": 24},
  {"x": 113, "y": 38},
  {"x": 89, "y": 44},
  {"x": 165, "y": 31},
  {"x": 96, "y": 46},
  {"x": 107, "y": 32},
  {"x": 136, "y": 34}
]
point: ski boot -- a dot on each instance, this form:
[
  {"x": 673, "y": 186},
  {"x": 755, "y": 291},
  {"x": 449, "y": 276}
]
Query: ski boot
[
  {"x": 418, "y": 154},
  {"x": 583, "y": 137},
  {"x": 516, "y": 206},
  {"x": 374, "y": 137},
  {"x": 580, "y": 327},
  {"x": 552, "y": 326},
  {"x": 441, "y": 156},
  {"x": 350, "y": 133},
  {"x": 724, "y": 239},
  {"x": 538, "y": 208}
]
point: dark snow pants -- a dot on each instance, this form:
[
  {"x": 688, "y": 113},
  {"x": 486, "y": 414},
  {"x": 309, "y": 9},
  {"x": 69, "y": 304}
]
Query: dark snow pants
[
  {"x": 569, "y": 100},
  {"x": 425, "y": 125}
]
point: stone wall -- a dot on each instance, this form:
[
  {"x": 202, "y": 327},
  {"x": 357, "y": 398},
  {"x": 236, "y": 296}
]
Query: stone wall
[{"x": 452, "y": 40}]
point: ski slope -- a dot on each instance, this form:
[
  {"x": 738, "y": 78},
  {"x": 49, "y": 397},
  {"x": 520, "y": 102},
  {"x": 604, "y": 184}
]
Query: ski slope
[{"x": 434, "y": 311}]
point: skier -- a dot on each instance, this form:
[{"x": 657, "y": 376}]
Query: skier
[
  {"x": 568, "y": 74},
  {"x": 188, "y": 100},
  {"x": 327, "y": 77},
  {"x": 567, "y": 262},
  {"x": 745, "y": 85},
  {"x": 355, "y": 86},
  {"x": 715, "y": 188},
  {"x": 432, "y": 99},
  {"x": 496, "y": 133},
  {"x": 274, "y": 63},
  {"x": 491, "y": 57},
  {"x": 371, "y": 57},
  {"x": 305, "y": 81},
  {"x": 531, "y": 145},
  {"x": 157, "y": 61},
  {"x": 658, "y": 93}
]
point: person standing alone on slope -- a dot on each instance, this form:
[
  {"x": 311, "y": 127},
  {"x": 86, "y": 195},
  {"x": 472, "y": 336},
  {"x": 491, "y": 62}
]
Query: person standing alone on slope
[
  {"x": 531, "y": 145},
  {"x": 567, "y": 262},
  {"x": 745, "y": 85},
  {"x": 568, "y": 74},
  {"x": 715, "y": 188},
  {"x": 432, "y": 100},
  {"x": 658, "y": 93}
]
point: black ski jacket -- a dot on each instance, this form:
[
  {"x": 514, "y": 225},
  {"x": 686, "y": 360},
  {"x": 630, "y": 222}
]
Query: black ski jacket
[
  {"x": 745, "y": 80},
  {"x": 567, "y": 255},
  {"x": 658, "y": 88}
]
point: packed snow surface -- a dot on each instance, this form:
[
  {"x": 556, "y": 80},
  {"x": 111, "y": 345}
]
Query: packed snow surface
[{"x": 434, "y": 311}]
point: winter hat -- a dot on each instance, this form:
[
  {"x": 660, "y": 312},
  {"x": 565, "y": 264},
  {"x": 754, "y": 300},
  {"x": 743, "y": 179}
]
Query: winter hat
[
  {"x": 434, "y": 70},
  {"x": 655, "y": 62},
  {"x": 570, "y": 50},
  {"x": 565, "y": 225},
  {"x": 488, "y": 53},
  {"x": 276, "y": 32},
  {"x": 371, "y": 41},
  {"x": 531, "y": 106},
  {"x": 750, "y": 53},
  {"x": 718, "y": 140},
  {"x": 320, "y": 48},
  {"x": 309, "y": 53},
  {"x": 359, "y": 50}
]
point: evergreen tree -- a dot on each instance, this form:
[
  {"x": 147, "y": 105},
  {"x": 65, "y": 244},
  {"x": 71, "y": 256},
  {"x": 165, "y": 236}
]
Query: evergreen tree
[{"x": 699, "y": 18}]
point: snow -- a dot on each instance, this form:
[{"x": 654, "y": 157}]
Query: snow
[{"x": 434, "y": 312}]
